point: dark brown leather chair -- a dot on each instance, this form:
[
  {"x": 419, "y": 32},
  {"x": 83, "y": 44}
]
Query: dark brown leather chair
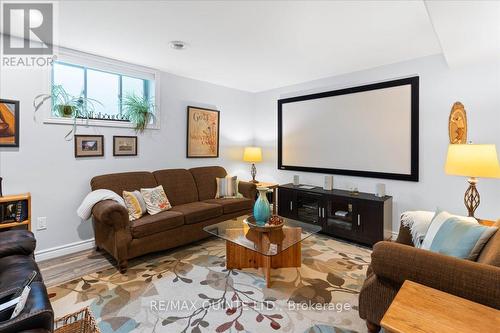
[{"x": 16, "y": 264}]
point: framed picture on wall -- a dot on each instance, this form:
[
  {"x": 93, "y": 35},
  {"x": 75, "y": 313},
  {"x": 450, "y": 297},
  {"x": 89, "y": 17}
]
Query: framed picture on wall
[
  {"x": 124, "y": 145},
  {"x": 89, "y": 145},
  {"x": 9, "y": 123},
  {"x": 202, "y": 132}
]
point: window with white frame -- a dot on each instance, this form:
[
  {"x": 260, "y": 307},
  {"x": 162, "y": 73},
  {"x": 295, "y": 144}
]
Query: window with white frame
[{"x": 107, "y": 83}]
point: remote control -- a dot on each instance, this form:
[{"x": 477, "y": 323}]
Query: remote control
[
  {"x": 26, "y": 283},
  {"x": 22, "y": 302}
]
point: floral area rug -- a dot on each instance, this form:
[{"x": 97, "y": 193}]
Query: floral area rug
[{"x": 189, "y": 290}]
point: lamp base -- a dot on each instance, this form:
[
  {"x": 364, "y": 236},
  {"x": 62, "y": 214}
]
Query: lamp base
[
  {"x": 253, "y": 172},
  {"x": 471, "y": 197}
]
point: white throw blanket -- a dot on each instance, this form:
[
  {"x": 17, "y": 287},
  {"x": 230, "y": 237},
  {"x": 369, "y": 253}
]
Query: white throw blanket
[
  {"x": 85, "y": 209},
  {"x": 418, "y": 221}
]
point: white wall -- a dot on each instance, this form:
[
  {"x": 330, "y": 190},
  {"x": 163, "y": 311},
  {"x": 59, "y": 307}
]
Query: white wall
[
  {"x": 45, "y": 164},
  {"x": 477, "y": 87}
]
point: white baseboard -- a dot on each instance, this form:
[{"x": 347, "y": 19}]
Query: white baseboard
[{"x": 62, "y": 250}]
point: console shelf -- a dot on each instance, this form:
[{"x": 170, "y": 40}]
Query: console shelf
[{"x": 367, "y": 220}]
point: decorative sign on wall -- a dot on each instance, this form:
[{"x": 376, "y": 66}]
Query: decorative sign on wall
[
  {"x": 457, "y": 125},
  {"x": 9, "y": 123},
  {"x": 105, "y": 116},
  {"x": 202, "y": 132}
]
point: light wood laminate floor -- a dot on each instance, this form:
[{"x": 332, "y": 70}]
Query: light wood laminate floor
[
  {"x": 66, "y": 268},
  {"x": 69, "y": 267}
]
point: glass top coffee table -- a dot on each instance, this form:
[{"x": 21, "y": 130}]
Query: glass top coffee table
[{"x": 249, "y": 248}]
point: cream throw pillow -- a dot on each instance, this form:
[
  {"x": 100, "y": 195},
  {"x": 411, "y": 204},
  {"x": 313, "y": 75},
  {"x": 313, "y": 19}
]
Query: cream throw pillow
[
  {"x": 135, "y": 204},
  {"x": 156, "y": 199}
]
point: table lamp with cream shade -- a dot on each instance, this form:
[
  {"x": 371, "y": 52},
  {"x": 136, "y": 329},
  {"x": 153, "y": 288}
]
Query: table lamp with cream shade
[
  {"x": 253, "y": 155},
  {"x": 473, "y": 161}
]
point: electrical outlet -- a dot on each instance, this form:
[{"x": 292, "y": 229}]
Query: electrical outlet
[{"x": 41, "y": 223}]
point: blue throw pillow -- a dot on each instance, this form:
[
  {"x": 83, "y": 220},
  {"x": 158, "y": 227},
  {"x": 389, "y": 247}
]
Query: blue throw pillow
[{"x": 461, "y": 239}]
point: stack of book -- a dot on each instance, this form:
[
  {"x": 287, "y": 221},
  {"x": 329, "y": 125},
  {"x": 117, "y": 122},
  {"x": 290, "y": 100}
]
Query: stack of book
[{"x": 15, "y": 211}]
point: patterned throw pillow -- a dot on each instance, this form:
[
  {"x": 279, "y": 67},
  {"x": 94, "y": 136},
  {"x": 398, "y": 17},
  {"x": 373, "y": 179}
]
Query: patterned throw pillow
[
  {"x": 156, "y": 199},
  {"x": 135, "y": 204},
  {"x": 227, "y": 187}
]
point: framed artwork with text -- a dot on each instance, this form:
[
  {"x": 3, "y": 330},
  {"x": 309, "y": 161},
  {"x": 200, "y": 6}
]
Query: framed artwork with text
[{"x": 202, "y": 132}]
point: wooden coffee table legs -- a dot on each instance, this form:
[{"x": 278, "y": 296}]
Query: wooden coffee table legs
[
  {"x": 266, "y": 269},
  {"x": 239, "y": 257}
]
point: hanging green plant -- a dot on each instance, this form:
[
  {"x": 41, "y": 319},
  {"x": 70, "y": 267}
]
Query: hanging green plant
[
  {"x": 139, "y": 110},
  {"x": 66, "y": 105},
  {"x": 63, "y": 104}
]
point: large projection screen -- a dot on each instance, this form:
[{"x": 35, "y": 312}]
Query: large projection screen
[{"x": 369, "y": 131}]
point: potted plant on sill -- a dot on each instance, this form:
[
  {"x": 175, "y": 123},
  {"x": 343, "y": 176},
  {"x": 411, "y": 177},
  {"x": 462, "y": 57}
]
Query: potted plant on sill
[
  {"x": 139, "y": 110},
  {"x": 65, "y": 105}
]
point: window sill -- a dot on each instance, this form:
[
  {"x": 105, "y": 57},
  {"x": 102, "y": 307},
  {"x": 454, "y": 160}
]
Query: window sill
[{"x": 95, "y": 122}]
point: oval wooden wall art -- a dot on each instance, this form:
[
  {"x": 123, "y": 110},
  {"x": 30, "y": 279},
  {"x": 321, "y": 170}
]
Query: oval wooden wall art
[{"x": 457, "y": 124}]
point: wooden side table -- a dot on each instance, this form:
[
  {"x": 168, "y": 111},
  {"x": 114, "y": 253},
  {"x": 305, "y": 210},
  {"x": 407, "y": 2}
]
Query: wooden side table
[
  {"x": 271, "y": 186},
  {"x": 421, "y": 309},
  {"x": 487, "y": 223}
]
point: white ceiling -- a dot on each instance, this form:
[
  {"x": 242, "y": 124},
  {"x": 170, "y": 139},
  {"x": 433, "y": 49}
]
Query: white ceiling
[
  {"x": 469, "y": 31},
  {"x": 260, "y": 45}
]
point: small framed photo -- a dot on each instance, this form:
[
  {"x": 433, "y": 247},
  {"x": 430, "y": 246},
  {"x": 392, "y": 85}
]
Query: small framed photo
[
  {"x": 124, "y": 146},
  {"x": 202, "y": 132},
  {"x": 9, "y": 123},
  {"x": 89, "y": 145}
]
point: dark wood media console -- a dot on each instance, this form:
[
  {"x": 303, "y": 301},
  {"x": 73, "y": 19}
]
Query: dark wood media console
[{"x": 368, "y": 218}]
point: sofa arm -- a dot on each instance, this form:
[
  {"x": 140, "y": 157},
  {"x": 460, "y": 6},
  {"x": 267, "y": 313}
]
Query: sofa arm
[
  {"x": 249, "y": 190},
  {"x": 111, "y": 213},
  {"x": 467, "y": 279},
  {"x": 14, "y": 242},
  {"x": 36, "y": 315}
]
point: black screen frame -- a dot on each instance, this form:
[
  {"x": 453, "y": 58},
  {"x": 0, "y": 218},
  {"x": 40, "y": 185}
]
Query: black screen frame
[{"x": 414, "y": 173}]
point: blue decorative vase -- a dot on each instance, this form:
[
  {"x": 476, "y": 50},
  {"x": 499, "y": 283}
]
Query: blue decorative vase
[{"x": 261, "y": 210}]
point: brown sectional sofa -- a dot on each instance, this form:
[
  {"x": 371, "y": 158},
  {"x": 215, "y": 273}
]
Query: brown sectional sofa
[
  {"x": 192, "y": 195},
  {"x": 394, "y": 262}
]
